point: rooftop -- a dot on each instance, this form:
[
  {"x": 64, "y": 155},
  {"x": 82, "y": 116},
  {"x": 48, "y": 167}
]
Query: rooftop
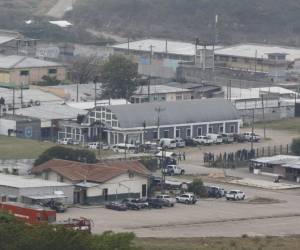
[
  {"x": 19, "y": 62},
  {"x": 179, "y": 112},
  {"x": 91, "y": 105},
  {"x": 95, "y": 173},
  {"x": 158, "y": 89},
  {"x": 5, "y": 39},
  {"x": 277, "y": 159},
  {"x": 27, "y": 182},
  {"x": 18, "y": 118},
  {"x": 259, "y": 51},
  {"x": 161, "y": 46}
]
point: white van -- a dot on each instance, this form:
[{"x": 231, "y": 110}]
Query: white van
[
  {"x": 121, "y": 147},
  {"x": 180, "y": 143},
  {"x": 167, "y": 143},
  {"x": 216, "y": 138}
]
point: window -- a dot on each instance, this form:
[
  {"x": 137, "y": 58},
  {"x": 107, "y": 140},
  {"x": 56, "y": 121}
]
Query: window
[
  {"x": 221, "y": 129},
  {"x": 105, "y": 194},
  {"x": 210, "y": 130},
  {"x": 178, "y": 97},
  {"x": 234, "y": 59},
  {"x": 232, "y": 129},
  {"x": 199, "y": 131},
  {"x": 52, "y": 71},
  {"x": 108, "y": 116},
  {"x": 177, "y": 133},
  {"x": 188, "y": 132},
  {"x": 24, "y": 73},
  {"x": 60, "y": 178},
  {"x": 144, "y": 190},
  {"x": 166, "y": 133},
  {"x": 155, "y": 135}
]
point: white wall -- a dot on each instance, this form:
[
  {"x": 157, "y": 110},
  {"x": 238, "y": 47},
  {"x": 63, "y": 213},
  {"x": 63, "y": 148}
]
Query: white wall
[
  {"x": 134, "y": 184},
  {"x": 5, "y": 125}
]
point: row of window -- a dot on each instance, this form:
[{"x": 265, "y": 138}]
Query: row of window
[
  {"x": 26, "y": 72},
  {"x": 188, "y": 132}
]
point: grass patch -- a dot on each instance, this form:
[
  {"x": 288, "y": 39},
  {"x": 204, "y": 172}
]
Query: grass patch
[
  {"x": 292, "y": 124},
  {"x": 218, "y": 243},
  {"x": 263, "y": 200}
]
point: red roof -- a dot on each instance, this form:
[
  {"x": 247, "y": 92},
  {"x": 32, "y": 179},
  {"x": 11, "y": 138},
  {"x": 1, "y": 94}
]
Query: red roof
[{"x": 100, "y": 172}]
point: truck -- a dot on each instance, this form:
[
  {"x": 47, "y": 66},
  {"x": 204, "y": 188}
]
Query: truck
[
  {"x": 216, "y": 138},
  {"x": 173, "y": 170},
  {"x": 168, "y": 143},
  {"x": 201, "y": 139}
]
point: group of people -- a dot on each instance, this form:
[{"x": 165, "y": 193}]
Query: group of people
[{"x": 181, "y": 156}]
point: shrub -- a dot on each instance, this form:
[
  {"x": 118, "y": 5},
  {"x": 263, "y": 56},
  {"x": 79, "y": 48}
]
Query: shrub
[
  {"x": 197, "y": 188},
  {"x": 296, "y": 146}
]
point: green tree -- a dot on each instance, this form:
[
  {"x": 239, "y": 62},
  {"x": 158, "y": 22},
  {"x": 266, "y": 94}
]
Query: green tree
[
  {"x": 59, "y": 152},
  {"x": 49, "y": 81},
  {"x": 119, "y": 76},
  {"x": 197, "y": 188},
  {"x": 296, "y": 146}
]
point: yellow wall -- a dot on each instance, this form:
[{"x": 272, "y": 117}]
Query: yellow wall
[{"x": 4, "y": 77}]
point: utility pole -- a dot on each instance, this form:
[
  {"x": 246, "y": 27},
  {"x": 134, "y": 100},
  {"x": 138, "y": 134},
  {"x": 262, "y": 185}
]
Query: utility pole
[
  {"x": 252, "y": 130},
  {"x": 95, "y": 102},
  {"x": 77, "y": 91},
  {"x": 14, "y": 100},
  {"x": 128, "y": 48},
  {"x": 151, "y": 53},
  {"x": 255, "y": 64},
  {"x": 158, "y": 110},
  {"x": 263, "y": 113},
  {"x": 22, "y": 94},
  {"x": 99, "y": 137}
]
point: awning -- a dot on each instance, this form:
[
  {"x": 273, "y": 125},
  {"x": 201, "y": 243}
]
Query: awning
[{"x": 45, "y": 197}]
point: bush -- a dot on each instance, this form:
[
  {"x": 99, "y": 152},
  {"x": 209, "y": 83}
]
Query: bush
[
  {"x": 64, "y": 153},
  {"x": 150, "y": 163},
  {"x": 197, "y": 188},
  {"x": 296, "y": 146}
]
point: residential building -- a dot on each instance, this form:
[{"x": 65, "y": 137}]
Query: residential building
[
  {"x": 98, "y": 183},
  {"x": 257, "y": 58},
  {"x": 22, "y": 70},
  {"x": 160, "y": 93},
  {"x": 28, "y": 189},
  {"x": 137, "y": 123}
]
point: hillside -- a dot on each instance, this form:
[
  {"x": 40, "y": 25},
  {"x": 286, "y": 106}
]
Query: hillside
[{"x": 239, "y": 20}]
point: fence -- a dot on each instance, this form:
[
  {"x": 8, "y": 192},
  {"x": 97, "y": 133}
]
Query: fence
[{"x": 242, "y": 157}]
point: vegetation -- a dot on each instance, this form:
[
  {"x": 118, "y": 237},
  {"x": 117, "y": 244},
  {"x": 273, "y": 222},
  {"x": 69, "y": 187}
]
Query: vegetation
[
  {"x": 292, "y": 125},
  {"x": 243, "y": 243},
  {"x": 16, "y": 148},
  {"x": 256, "y": 20},
  {"x": 16, "y": 235},
  {"x": 59, "y": 152},
  {"x": 197, "y": 187},
  {"x": 296, "y": 146},
  {"x": 119, "y": 76}
]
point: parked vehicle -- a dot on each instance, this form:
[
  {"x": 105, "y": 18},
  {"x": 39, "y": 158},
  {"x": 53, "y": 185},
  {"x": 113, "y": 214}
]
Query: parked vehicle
[
  {"x": 95, "y": 145},
  {"x": 251, "y": 136},
  {"x": 173, "y": 170},
  {"x": 130, "y": 204},
  {"x": 239, "y": 138},
  {"x": 180, "y": 143},
  {"x": 155, "y": 203},
  {"x": 121, "y": 147},
  {"x": 116, "y": 206},
  {"x": 235, "y": 195},
  {"x": 167, "y": 143},
  {"x": 201, "y": 139},
  {"x": 187, "y": 198},
  {"x": 227, "y": 138},
  {"x": 215, "y": 192},
  {"x": 217, "y": 139},
  {"x": 65, "y": 141},
  {"x": 58, "y": 206},
  {"x": 141, "y": 202},
  {"x": 167, "y": 199}
]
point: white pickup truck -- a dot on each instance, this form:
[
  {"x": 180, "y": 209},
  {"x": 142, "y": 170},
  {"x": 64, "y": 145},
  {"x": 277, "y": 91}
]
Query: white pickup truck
[
  {"x": 187, "y": 198},
  {"x": 173, "y": 170},
  {"x": 201, "y": 139},
  {"x": 235, "y": 195}
]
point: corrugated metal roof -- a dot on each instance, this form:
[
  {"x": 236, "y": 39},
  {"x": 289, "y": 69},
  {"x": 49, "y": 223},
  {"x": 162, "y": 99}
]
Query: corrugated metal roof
[
  {"x": 22, "y": 182},
  {"x": 179, "y": 112},
  {"x": 158, "y": 89},
  {"x": 259, "y": 50},
  {"x": 14, "y": 61}
]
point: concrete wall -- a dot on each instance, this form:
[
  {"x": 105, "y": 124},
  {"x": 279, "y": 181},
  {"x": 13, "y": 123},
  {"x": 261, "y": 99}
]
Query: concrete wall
[
  {"x": 5, "y": 125},
  {"x": 30, "y": 129},
  {"x": 21, "y": 165}
]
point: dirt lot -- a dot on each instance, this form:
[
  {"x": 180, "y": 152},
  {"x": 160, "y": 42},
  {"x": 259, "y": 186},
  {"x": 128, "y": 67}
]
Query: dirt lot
[{"x": 208, "y": 217}]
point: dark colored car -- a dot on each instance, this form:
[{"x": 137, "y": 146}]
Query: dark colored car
[
  {"x": 239, "y": 138},
  {"x": 155, "y": 203},
  {"x": 116, "y": 206},
  {"x": 58, "y": 206},
  {"x": 132, "y": 204},
  {"x": 141, "y": 202}
]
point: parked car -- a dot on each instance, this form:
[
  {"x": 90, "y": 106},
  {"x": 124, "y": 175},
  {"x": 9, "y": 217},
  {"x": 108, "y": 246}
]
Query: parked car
[
  {"x": 217, "y": 139},
  {"x": 131, "y": 204},
  {"x": 235, "y": 195},
  {"x": 168, "y": 143},
  {"x": 251, "y": 136},
  {"x": 239, "y": 138},
  {"x": 173, "y": 170},
  {"x": 141, "y": 202},
  {"x": 95, "y": 145},
  {"x": 65, "y": 141},
  {"x": 167, "y": 199},
  {"x": 122, "y": 147},
  {"x": 201, "y": 139},
  {"x": 187, "y": 198},
  {"x": 227, "y": 138},
  {"x": 180, "y": 143},
  {"x": 155, "y": 203},
  {"x": 116, "y": 206},
  {"x": 215, "y": 192},
  {"x": 58, "y": 206}
]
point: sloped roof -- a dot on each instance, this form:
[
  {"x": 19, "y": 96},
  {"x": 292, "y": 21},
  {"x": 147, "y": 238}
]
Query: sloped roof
[
  {"x": 19, "y": 62},
  {"x": 99, "y": 173},
  {"x": 177, "y": 112}
]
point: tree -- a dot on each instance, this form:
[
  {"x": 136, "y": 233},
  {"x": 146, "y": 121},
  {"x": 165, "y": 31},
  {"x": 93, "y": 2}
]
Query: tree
[
  {"x": 50, "y": 81},
  {"x": 85, "y": 69},
  {"x": 296, "y": 146},
  {"x": 119, "y": 77},
  {"x": 59, "y": 152},
  {"x": 197, "y": 188}
]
